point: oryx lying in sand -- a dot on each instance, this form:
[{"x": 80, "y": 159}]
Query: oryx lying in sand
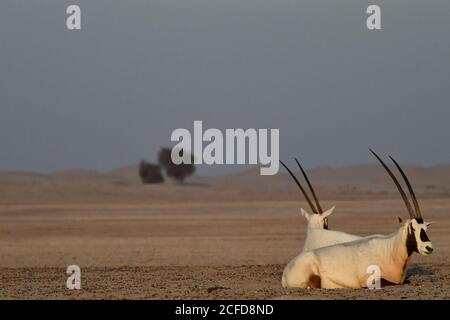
[
  {"x": 317, "y": 233},
  {"x": 345, "y": 265}
]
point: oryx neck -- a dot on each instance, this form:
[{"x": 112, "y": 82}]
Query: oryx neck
[
  {"x": 394, "y": 257},
  {"x": 401, "y": 243}
]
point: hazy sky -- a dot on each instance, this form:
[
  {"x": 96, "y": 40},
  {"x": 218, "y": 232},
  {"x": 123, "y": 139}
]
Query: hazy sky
[{"x": 112, "y": 93}]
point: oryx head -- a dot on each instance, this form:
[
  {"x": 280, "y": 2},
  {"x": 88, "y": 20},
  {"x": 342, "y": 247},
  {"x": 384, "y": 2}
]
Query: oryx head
[
  {"x": 318, "y": 218},
  {"x": 417, "y": 239}
]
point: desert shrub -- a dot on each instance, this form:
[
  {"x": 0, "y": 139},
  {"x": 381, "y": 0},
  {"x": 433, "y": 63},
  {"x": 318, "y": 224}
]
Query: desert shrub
[
  {"x": 150, "y": 173},
  {"x": 178, "y": 172}
]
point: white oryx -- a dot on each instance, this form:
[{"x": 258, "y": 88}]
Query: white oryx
[
  {"x": 345, "y": 265},
  {"x": 317, "y": 233}
]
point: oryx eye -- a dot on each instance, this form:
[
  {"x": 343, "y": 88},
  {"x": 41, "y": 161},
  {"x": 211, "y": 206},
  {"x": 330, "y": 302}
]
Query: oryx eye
[{"x": 423, "y": 236}]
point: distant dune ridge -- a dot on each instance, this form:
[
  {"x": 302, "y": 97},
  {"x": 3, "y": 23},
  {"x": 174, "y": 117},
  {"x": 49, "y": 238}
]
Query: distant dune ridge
[
  {"x": 123, "y": 183},
  {"x": 364, "y": 178}
]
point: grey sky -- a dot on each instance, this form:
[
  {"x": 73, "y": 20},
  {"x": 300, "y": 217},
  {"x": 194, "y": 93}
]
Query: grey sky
[{"x": 112, "y": 93}]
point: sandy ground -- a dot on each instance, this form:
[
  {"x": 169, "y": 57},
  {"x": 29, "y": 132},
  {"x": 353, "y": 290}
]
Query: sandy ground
[{"x": 221, "y": 249}]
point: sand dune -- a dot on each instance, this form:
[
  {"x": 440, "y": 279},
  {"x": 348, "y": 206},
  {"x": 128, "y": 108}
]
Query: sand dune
[
  {"x": 364, "y": 178},
  {"x": 356, "y": 182}
]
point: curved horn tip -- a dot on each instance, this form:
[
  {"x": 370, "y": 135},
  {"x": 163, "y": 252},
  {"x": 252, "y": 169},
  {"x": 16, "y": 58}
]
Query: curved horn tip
[
  {"x": 311, "y": 188},
  {"x": 417, "y": 211},
  {"x": 411, "y": 212},
  {"x": 300, "y": 187}
]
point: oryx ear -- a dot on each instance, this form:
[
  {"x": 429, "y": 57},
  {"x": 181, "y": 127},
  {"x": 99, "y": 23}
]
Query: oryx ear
[
  {"x": 304, "y": 213},
  {"x": 328, "y": 212},
  {"x": 429, "y": 223},
  {"x": 400, "y": 220}
]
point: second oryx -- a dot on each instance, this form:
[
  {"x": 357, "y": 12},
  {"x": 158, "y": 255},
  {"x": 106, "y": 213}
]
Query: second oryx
[{"x": 317, "y": 233}]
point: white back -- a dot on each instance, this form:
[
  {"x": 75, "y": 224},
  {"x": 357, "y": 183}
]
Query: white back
[{"x": 316, "y": 234}]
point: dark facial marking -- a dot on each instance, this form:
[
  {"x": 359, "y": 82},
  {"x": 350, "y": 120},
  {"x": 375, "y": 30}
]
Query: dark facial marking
[
  {"x": 411, "y": 242},
  {"x": 423, "y": 236},
  {"x": 419, "y": 220}
]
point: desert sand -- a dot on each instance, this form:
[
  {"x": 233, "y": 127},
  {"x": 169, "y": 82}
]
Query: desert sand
[{"x": 210, "y": 238}]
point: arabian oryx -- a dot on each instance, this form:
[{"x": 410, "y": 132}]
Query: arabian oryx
[
  {"x": 346, "y": 265},
  {"x": 317, "y": 233}
]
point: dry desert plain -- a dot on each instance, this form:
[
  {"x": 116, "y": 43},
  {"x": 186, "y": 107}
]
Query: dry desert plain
[{"x": 225, "y": 237}]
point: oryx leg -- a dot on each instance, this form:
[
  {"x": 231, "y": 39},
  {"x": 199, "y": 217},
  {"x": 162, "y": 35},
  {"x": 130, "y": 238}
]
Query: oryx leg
[
  {"x": 329, "y": 284},
  {"x": 302, "y": 272}
]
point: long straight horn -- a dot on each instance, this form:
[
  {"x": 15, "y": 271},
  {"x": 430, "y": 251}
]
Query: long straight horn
[
  {"x": 301, "y": 188},
  {"x": 399, "y": 187},
  {"x": 411, "y": 191},
  {"x": 319, "y": 208}
]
